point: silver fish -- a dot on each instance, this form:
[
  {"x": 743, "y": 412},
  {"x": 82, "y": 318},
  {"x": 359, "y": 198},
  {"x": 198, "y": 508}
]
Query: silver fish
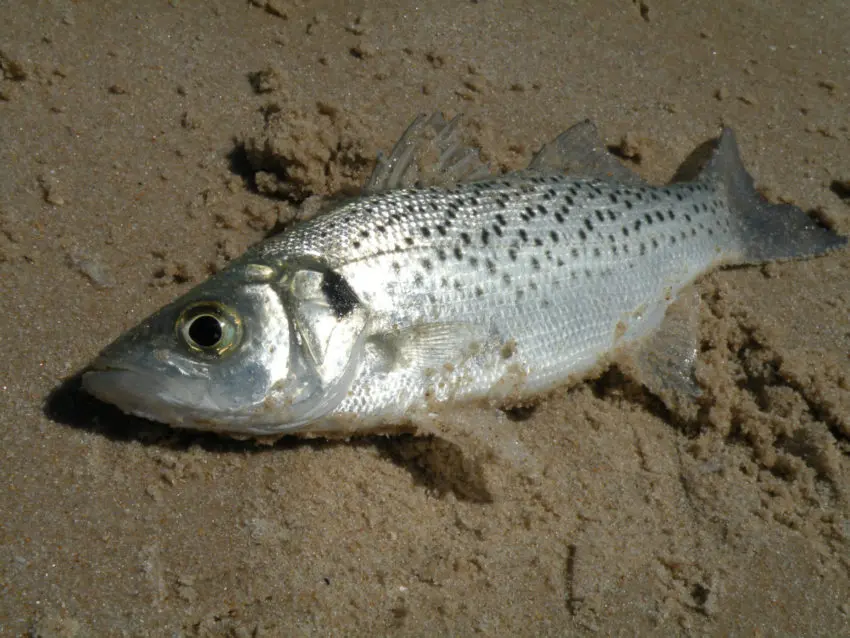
[{"x": 414, "y": 296}]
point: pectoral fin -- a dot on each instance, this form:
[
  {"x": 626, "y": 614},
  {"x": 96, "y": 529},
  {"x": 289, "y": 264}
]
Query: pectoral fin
[{"x": 432, "y": 345}]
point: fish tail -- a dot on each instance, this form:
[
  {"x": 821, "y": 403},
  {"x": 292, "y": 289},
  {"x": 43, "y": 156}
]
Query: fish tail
[{"x": 767, "y": 231}]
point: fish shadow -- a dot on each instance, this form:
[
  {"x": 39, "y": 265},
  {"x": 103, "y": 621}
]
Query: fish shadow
[{"x": 434, "y": 464}]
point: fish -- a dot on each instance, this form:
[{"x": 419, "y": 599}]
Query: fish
[{"x": 444, "y": 284}]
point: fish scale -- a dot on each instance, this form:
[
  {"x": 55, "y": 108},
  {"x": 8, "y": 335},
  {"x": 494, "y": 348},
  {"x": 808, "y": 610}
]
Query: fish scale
[
  {"x": 440, "y": 286},
  {"x": 552, "y": 262}
]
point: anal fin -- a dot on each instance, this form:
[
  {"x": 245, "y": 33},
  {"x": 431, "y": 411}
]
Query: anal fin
[{"x": 665, "y": 361}]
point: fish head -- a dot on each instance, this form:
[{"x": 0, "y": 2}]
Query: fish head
[{"x": 254, "y": 350}]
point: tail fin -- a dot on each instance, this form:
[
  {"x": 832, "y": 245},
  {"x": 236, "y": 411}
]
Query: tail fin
[{"x": 768, "y": 231}]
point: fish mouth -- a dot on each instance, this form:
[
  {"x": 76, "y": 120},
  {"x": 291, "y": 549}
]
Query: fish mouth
[{"x": 140, "y": 393}]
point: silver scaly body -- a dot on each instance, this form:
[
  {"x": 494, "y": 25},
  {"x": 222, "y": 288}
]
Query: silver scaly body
[{"x": 407, "y": 300}]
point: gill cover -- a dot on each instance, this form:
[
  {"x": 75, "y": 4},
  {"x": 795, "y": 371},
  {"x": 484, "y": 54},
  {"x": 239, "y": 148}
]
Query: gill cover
[{"x": 328, "y": 330}]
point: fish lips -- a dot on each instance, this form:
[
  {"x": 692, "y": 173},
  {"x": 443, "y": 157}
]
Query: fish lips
[{"x": 143, "y": 394}]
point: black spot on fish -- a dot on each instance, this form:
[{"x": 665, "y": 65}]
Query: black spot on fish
[
  {"x": 642, "y": 248},
  {"x": 589, "y": 224},
  {"x": 485, "y": 236},
  {"x": 465, "y": 238},
  {"x": 381, "y": 229},
  {"x": 500, "y": 219},
  {"x": 637, "y": 225},
  {"x": 339, "y": 295},
  {"x": 529, "y": 211},
  {"x": 473, "y": 261},
  {"x": 364, "y": 233},
  {"x": 570, "y": 201},
  {"x": 491, "y": 267},
  {"x": 458, "y": 253},
  {"x": 441, "y": 254},
  {"x": 535, "y": 263},
  {"x": 613, "y": 198},
  {"x": 506, "y": 279},
  {"x": 426, "y": 232},
  {"x": 478, "y": 291},
  {"x": 538, "y": 241},
  {"x": 523, "y": 235},
  {"x": 417, "y": 279},
  {"x": 554, "y": 236},
  {"x": 395, "y": 266},
  {"x": 628, "y": 204},
  {"x": 648, "y": 218},
  {"x": 596, "y": 252},
  {"x": 441, "y": 230},
  {"x": 581, "y": 234},
  {"x": 542, "y": 209},
  {"x": 559, "y": 217},
  {"x": 512, "y": 254},
  {"x": 600, "y": 215},
  {"x": 408, "y": 241},
  {"x": 497, "y": 229},
  {"x": 457, "y": 285},
  {"x": 574, "y": 253},
  {"x": 659, "y": 215},
  {"x": 625, "y": 231}
]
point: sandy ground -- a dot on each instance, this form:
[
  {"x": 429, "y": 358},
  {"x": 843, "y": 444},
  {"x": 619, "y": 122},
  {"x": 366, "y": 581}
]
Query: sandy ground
[{"x": 125, "y": 135}]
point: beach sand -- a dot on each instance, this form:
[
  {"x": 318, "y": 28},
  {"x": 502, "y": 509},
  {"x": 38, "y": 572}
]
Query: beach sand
[{"x": 145, "y": 144}]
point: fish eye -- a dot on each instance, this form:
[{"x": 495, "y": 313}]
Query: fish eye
[{"x": 209, "y": 327}]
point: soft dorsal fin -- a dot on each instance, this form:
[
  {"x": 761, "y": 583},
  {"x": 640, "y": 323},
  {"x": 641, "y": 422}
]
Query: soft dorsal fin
[
  {"x": 431, "y": 152},
  {"x": 580, "y": 152}
]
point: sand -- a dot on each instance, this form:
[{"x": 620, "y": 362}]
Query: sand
[{"x": 127, "y": 136}]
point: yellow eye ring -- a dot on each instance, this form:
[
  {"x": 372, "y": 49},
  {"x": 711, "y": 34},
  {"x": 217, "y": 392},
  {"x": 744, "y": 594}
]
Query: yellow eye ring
[{"x": 209, "y": 327}]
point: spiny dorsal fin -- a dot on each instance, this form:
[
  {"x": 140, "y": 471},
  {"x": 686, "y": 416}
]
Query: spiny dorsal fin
[
  {"x": 431, "y": 152},
  {"x": 580, "y": 152}
]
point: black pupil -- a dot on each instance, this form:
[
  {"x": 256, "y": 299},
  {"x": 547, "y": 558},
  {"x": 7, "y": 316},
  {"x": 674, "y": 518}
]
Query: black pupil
[{"x": 205, "y": 331}]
